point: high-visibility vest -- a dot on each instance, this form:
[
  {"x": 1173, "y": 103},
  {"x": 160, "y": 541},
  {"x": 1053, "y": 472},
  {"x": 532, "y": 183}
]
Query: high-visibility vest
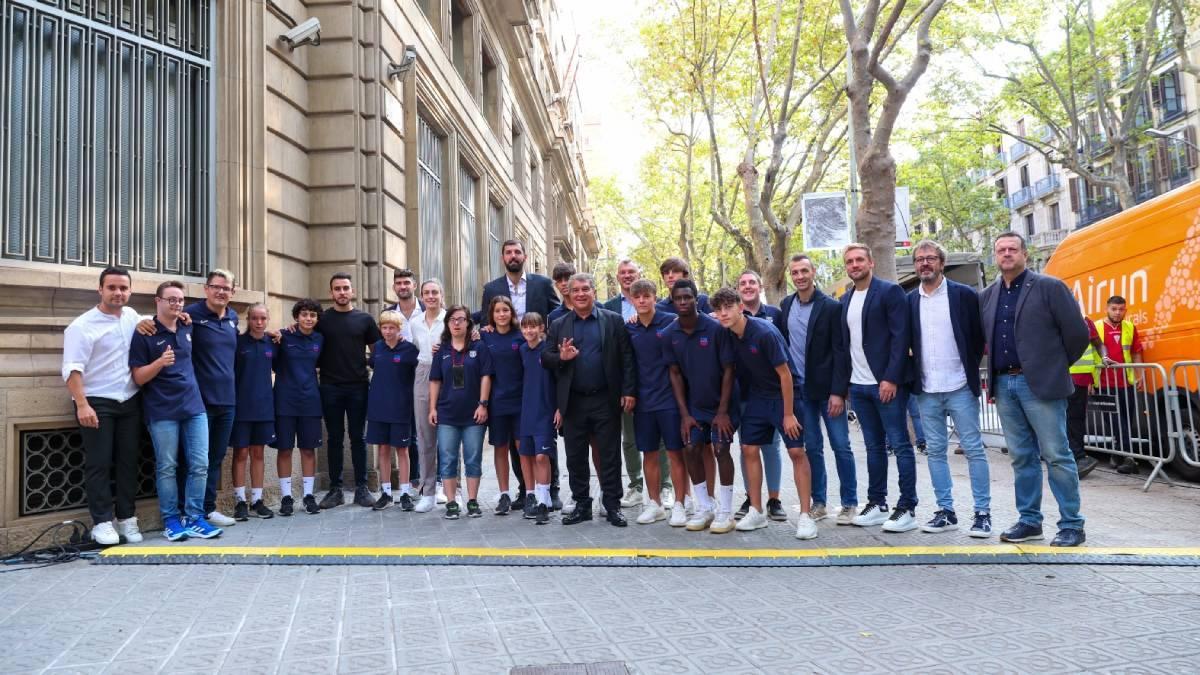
[
  {"x": 1126, "y": 344},
  {"x": 1088, "y": 363}
]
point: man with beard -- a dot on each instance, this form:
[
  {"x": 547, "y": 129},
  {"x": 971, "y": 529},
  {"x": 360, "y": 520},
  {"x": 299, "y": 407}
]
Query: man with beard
[{"x": 529, "y": 292}]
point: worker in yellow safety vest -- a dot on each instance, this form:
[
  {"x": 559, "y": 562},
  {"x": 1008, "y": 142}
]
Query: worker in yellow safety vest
[
  {"x": 1085, "y": 373},
  {"x": 1123, "y": 345}
]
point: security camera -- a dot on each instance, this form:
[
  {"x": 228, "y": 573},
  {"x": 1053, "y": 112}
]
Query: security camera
[
  {"x": 307, "y": 32},
  {"x": 397, "y": 70}
]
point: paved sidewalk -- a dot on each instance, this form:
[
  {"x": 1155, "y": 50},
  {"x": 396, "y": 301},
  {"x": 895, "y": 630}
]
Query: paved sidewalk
[{"x": 1118, "y": 514}]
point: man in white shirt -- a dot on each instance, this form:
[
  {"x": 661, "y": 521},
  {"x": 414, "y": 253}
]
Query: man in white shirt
[
  {"x": 107, "y": 405},
  {"x": 426, "y": 331},
  {"x": 947, "y": 346}
]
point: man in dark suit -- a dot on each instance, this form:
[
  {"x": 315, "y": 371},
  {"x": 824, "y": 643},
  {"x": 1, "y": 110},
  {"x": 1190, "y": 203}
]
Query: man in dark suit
[
  {"x": 1034, "y": 334},
  {"x": 811, "y": 323},
  {"x": 591, "y": 355},
  {"x": 529, "y": 292},
  {"x": 947, "y": 346},
  {"x": 875, "y": 321}
]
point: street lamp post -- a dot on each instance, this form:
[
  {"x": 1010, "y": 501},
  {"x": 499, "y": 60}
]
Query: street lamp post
[{"x": 1159, "y": 133}]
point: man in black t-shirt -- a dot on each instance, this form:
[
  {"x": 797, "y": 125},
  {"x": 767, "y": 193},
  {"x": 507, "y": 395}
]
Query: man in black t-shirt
[{"x": 343, "y": 363}]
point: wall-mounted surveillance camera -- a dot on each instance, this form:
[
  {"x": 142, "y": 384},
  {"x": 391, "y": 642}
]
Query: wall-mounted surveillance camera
[
  {"x": 307, "y": 32},
  {"x": 397, "y": 70}
]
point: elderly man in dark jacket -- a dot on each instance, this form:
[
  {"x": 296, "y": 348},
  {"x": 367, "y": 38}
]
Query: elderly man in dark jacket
[{"x": 1034, "y": 334}]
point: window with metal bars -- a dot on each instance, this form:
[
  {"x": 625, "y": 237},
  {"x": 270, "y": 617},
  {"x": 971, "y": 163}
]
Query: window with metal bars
[
  {"x": 106, "y": 154},
  {"x": 468, "y": 184},
  {"x": 430, "y": 205}
]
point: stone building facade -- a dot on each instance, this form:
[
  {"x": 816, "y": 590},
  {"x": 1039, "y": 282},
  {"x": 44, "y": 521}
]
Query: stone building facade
[{"x": 175, "y": 136}]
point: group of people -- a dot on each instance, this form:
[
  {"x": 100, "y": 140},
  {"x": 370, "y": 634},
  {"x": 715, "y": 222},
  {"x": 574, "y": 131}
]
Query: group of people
[{"x": 671, "y": 373}]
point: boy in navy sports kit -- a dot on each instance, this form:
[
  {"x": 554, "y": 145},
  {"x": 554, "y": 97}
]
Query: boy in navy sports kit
[
  {"x": 298, "y": 404},
  {"x": 174, "y": 411},
  {"x": 656, "y": 417},
  {"x": 699, "y": 353},
  {"x": 389, "y": 407},
  {"x": 765, "y": 368},
  {"x": 540, "y": 419},
  {"x": 254, "y": 414}
]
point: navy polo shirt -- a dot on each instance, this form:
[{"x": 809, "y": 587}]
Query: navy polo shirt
[
  {"x": 456, "y": 406},
  {"x": 649, "y": 345},
  {"x": 702, "y": 357},
  {"x": 589, "y": 363},
  {"x": 770, "y": 313},
  {"x": 1004, "y": 342},
  {"x": 665, "y": 305},
  {"x": 556, "y": 314},
  {"x": 216, "y": 341},
  {"x": 390, "y": 397},
  {"x": 505, "y": 349},
  {"x": 252, "y": 371},
  {"x": 758, "y": 352},
  {"x": 537, "y": 394},
  {"x": 173, "y": 394},
  {"x": 296, "y": 390}
]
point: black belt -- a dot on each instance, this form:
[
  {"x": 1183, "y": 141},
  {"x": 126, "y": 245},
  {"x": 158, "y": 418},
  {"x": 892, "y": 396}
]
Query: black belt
[
  {"x": 590, "y": 392},
  {"x": 1015, "y": 370}
]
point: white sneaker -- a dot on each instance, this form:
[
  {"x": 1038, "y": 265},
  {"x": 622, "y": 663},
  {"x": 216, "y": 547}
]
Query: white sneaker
[
  {"x": 872, "y": 514},
  {"x": 806, "y": 527},
  {"x": 105, "y": 535},
  {"x": 220, "y": 519},
  {"x": 689, "y": 504},
  {"x": 902, "y": 520},
  {"x": 678, "y": 515},
  {"x": 722, "y": 522},
  {"x": 632, "y": 497},
  {"x": 651, "y": 513},
  {"x": 425, "y": 504},
  {"x": 754, "y": 520},
  {"x": 128, "y": 528},
  {"x": 667, "y": 496},
  {"x": 700, "y": 521},
  {"x": 845, "y": 515},
  {"x": 441, "y": 494}
]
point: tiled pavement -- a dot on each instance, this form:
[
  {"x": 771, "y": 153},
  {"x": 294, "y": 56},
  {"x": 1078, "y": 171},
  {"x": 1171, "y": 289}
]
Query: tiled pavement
[{"x": 348, "y": 619}]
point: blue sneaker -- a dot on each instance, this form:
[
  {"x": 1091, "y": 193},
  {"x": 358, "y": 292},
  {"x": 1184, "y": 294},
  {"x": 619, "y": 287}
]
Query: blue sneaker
[
  {"x": 1021, "y": 532},
  {"x": 1069, "y": 537},
  {"x": 174, "y": 530},
  {"x": 201, "y": 529}
]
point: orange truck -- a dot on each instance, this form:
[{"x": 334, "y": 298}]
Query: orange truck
[{"x": 1150, "y": 255}]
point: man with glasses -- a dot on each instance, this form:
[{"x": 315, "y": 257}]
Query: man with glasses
[
  {"x": 214, "y": 326},
  {"x": 174, "y": 410}
]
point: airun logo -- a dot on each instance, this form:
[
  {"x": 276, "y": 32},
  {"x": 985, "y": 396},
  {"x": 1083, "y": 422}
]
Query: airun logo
[{"x": 1092, "y": 297}]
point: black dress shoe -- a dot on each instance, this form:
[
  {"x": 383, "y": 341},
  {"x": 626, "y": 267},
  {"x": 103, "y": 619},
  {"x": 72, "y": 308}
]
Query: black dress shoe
[
  {"x": 616, "y": 518},
  {"x": 581, "y": 513},
  {"x": 555, "y": 502}
]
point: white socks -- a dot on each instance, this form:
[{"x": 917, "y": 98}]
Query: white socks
[
  {"x": 543, "y": 494},
  {"x": 309, "y": 481},
  {"x": 725, "y": 498},
  {"x": 406, "y": 489},
  {"x": 240, "y": 491},
  {"x": 255, "y": 494},
  {"x": 285, "y": 486},
  {"x": 387, "y": 488},
  {"x": 701, "y": 496}
]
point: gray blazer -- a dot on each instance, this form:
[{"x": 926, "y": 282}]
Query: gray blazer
[{"x": 1050, "y": 336}]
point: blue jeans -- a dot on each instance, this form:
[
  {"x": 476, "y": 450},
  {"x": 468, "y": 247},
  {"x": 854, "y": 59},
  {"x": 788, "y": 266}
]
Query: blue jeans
[
  {"x": 339, "y": 403},
  {"x": 885, "y": 425},
  {"x": 165, "y": 434},
  {"x": 914, "y": 412},
  {"x": 838, "y": 429},
  {"x": 772, "y": 462},
  {"x": 449, "y": 438},
  {"x": 963, "y": 407},
  {"x": 1036, "y": 429}
]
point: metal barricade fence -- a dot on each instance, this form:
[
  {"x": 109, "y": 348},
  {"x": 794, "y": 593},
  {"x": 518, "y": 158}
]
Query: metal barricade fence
[
  {"x": 1185, "y": 382},
  {"x": 989, "y": 418},
  {"x": 1133, "y": 419}
]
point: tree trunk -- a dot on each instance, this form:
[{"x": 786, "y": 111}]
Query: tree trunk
[{"x": 875, "y": 224}]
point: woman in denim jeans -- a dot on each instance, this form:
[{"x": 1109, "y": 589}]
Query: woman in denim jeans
[{"x": 460, "y": 382}]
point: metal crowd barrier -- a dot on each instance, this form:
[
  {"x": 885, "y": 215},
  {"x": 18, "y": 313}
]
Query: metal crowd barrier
[{"x": 1152, "y": 420}]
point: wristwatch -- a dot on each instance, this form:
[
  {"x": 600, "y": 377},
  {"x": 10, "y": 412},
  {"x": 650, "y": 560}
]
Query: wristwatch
[{"x": 483, "y": 402}]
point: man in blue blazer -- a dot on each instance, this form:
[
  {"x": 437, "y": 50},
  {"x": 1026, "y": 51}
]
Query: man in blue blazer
[
  {"x": 947, "y": 346},
  {"x": 811, "y": 323},
  {"x": 875, "y": 319},
  {"x": 1034, "y": 335},
  {"x": 529, "y": 292}
]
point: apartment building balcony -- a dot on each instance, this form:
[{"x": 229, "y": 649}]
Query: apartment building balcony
[
  {"x": 1094, "y": 211},
  {"x": 978, "y": 175},
  {"x": 998, "y": 159},
  {"x": 1018, "y": 150},
  {"x": 1020, "y": 198},
  {"x": 1047, "y": 186},
  {"x": 1048, "y": 238}
]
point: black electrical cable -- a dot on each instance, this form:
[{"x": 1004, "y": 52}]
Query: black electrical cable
[{"x": 74, "y": 546}]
